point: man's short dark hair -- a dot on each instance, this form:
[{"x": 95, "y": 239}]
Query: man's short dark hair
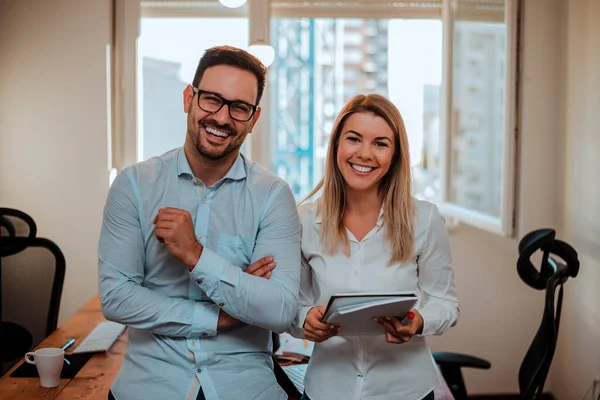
[{"x": 234, "y": 57}]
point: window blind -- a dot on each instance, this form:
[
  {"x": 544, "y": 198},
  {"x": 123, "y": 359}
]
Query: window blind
[
  {"x": 300, "y": 8},
  {"x": 480, "y": 10},
  {"x": 466, "y": 10},
  {"x": 190, "y": 9},
  {"x": 357, "y": 9}
]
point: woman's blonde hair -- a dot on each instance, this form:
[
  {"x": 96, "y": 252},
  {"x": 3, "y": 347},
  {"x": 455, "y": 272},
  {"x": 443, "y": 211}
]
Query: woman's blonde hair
[{"x": 395, "y": 189}]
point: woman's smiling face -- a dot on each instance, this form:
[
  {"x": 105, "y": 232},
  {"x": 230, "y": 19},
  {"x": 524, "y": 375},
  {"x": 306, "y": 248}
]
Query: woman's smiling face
[{"x": 365, "y": 151}]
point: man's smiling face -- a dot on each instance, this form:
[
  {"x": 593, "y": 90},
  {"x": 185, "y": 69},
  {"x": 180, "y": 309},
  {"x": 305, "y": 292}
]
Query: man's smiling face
[{"x": 216, "y": 135}]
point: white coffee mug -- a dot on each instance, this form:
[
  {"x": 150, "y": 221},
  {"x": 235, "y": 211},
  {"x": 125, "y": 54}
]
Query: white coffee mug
[{"x": 49, "y": 363}]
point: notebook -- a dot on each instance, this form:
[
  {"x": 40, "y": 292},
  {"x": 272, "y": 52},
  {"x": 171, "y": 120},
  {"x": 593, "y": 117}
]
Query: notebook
[{"x": 354, "y": 312}]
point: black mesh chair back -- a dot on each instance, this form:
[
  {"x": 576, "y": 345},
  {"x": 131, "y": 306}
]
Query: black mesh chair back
[
  {"x": 558, "y": 263},
  {"x": 14, "y": 338},
  {"x": 551, "y": 276},
  {"x": 14, "y": 223},
  {"x": 32, "y": 272}
]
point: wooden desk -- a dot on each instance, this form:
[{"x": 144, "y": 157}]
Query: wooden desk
[{"x": 92, "y": 381}]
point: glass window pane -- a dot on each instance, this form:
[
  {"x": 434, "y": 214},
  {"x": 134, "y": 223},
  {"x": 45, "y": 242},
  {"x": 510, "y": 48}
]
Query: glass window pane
[
  {"x": 168, "y": 53},
  {"x": 478, "y": 120},
  {"x": 321, "y": 63}
]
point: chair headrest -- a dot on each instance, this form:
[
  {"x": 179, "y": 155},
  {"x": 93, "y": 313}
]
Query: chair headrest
[
  {"x": 545, "y": 240},
  {"x": 5, "y": 222}
]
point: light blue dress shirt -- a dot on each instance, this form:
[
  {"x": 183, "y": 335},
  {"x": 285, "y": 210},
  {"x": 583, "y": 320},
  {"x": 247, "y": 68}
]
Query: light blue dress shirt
[{"x": 174, "y": 346}]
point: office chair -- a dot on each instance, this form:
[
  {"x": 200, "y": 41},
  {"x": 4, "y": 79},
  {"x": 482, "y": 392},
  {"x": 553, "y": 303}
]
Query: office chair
[
  {"x": 28, "y": 254},
  {"x": 15, "y": 340},
  {"x": 7, "y": 216},
  {"x": 551, "y": 276}
]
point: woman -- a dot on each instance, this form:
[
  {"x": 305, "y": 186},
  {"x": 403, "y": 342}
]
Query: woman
[{"x": 366, "y": 233}]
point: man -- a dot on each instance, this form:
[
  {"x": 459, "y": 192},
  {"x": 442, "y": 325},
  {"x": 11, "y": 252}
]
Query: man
[{"x": 179, "y": 230}]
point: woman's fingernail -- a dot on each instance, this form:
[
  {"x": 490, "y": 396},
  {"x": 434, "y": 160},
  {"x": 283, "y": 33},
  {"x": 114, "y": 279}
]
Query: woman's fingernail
[
  {"x": 388, "y": 318},
  {"x": 375, "y": 319},
  {"x": 270, "y": 258}
]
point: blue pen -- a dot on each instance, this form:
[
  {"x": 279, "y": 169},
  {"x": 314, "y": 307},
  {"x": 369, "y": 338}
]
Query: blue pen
[{"x": 66, "y": 346}]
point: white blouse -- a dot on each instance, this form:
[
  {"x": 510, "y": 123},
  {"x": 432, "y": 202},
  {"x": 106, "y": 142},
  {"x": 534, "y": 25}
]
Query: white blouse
[{"x": 367, "y": 367}]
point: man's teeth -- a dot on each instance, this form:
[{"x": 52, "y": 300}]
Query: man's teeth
[
  {"x": 215, "y": 132},
  {"x": 360, "y": 168}
]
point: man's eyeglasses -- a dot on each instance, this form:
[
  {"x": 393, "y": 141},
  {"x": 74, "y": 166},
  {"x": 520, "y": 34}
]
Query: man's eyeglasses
[{"x": 212, "y": 103}]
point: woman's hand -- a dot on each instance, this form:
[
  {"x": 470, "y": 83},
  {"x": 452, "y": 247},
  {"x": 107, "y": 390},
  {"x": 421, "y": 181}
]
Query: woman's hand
[
  {"x": 397, "y": 333},
  {"x": 314, "y": 329}
]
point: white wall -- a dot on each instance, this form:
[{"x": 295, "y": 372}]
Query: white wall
[
  {"x": 53, "y": 127},
  {"x": 53, "y": 164},
  {"x": 577, "y": 360}
]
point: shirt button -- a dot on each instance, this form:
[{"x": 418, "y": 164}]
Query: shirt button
[
  {"x": 204, "y": 200},
  {"x": 221, "y": 304},
  {"x": 199, "y": 370},
  {"x": 355, "y": 273},
  {"x": 199, "y": 238},
  {"x": 203, "y": 333},
  {"x": 199, "y": 281}
]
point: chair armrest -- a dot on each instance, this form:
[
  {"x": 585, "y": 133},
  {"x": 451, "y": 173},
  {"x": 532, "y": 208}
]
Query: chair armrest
[
  {"x": 451, "y": 365},
  {"x": 460, "y": 360}
]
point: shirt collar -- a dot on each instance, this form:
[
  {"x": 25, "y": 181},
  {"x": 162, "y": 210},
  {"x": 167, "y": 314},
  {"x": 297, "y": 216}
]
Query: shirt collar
[
  {"x": 318, "y": 217},
  {"x": 380, "y": 218},
  {"x": 183, "y": 166},
  {"x": 236, "y": 172}
]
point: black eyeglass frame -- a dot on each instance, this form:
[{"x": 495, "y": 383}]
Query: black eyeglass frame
[{"x": 229, "y": 103}]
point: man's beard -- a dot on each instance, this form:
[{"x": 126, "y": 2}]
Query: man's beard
[{"x": 206, "y": 150}]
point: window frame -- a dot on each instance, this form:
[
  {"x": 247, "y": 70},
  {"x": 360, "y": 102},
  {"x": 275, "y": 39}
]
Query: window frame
[
  {"x": 505, "y": 223},
  {"x": 127, "y": 130}
]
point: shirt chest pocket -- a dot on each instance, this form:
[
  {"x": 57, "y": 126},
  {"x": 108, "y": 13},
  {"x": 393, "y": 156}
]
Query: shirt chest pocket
[{"x": 235, "y": 249}]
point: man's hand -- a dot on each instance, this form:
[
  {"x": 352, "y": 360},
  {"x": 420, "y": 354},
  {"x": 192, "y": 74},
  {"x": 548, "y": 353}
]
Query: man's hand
[
  {"x": 397, "y": 333},
  {"x": 261, "y": 268},
  {"x": 314, "y": 329},
  {"x": 175, "y": 229}
]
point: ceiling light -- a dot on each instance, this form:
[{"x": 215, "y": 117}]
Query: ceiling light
[
  {"x": 264, "y": 52},
  {"x": 233, "y": 3}
]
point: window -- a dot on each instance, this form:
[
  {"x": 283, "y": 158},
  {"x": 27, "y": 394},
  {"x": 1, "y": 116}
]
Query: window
[
  {"x": 480, "y": 124},
  {"x": 449, "y": 65},
  {"x": 320, "y": 64}
]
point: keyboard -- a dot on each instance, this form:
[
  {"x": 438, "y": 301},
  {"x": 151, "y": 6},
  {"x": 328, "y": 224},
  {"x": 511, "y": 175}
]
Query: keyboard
[
  {"x": 99, "y": 340},
  {"x": 296, "y": 374}
]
